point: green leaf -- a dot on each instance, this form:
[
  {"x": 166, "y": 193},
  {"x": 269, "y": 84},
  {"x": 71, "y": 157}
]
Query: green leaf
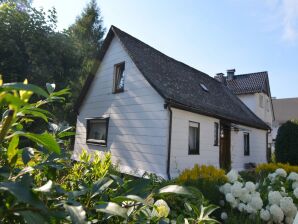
[
  {"x": 45, "y": 139},
  {"x": 33, "y": 217},
  {"x": 22, "y": 86},
  {"x": 76, "y": 212},
  {"x": 180, "y": 219},
  {"x": 100, "y": 186},
  {"x": 22, "y": 193},
  {"x": 112, "y": 209},
  {"x": 66, "y": 134},
  {"x": 50, "y": 87},
  {"x": 33, "y": 113},
  {"x": 175, "y": 189},
  {"x": 12, "y": 150},
  {"x": 134, "y": 198},
  {"x": 45, "y": 188}
]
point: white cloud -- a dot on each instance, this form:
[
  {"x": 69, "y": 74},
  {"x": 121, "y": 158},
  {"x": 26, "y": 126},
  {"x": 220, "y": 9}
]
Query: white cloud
[{"x": 290, "y": 19}]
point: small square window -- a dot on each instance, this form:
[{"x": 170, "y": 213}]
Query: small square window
[
  {"x": 97, "y": 130},
  {"x": 261, "y": 101},
  {"x": 216, "y": 129},
  {"x": 194, "y": 138},
  {"x": 119, "y": 78},
  {"x": 246, "y": 144}
]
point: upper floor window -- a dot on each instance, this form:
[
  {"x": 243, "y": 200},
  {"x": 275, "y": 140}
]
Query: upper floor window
[
  {"x": 246, "y": 144},
  {"x": 194, "y": 138},
  {"x": 119, "y": 78},
  {"x": 216, "y": 129},
  {"x": 97, "y": 130}
]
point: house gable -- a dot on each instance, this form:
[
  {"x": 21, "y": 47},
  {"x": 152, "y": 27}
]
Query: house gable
[{"x": 138, "y": 121}]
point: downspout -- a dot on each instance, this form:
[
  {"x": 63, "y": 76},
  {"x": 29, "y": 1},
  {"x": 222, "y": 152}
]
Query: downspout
[{"x": 169, "y": 142}]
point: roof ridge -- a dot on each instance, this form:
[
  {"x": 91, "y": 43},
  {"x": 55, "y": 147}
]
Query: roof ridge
[{"x": 252, "y": 73}]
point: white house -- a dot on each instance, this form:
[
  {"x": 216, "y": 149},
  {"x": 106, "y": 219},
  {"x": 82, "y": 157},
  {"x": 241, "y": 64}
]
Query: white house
[
  {"x": 160, "y": 115},
  {"x": 253, "y": 89}
]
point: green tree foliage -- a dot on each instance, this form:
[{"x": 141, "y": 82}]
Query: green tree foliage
[
  {"x": 87, "y": 35},
  {"x": 286, "y": 147},
  {"x": 31, "y": 48}
]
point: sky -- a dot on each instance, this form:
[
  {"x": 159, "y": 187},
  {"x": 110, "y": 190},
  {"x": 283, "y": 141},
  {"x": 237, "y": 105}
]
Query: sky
[{"x": 211, "y": 36}]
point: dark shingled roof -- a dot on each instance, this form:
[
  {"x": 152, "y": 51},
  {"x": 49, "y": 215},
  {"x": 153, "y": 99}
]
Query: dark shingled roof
[
  {"x": 180, "y": 84},
  {"x": 248, "y": 83}
]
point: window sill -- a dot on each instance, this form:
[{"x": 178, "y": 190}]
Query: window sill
[{"x": 96, "y": 143}]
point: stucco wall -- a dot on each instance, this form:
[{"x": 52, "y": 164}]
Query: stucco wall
[{"x": 138, "y": 125}]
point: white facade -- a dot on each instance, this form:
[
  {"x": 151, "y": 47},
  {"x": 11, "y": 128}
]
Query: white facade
[
  {"x": 260, "y": 104},
  {"x": 138, "y": 124},
  {"x": 257, "y": 147},
  {"x": 209, "y": 154}
]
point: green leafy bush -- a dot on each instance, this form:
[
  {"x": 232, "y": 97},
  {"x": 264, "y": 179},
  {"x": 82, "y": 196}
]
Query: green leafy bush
[{"x": 287, "y": 143}]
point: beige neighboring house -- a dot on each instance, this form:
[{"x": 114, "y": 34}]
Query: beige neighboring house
[{"x": 284, "y": 109}]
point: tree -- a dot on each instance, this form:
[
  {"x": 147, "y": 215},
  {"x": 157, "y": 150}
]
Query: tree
[
  {"x": 287, "y": 143},
  {"x": 87, "y": 34}
]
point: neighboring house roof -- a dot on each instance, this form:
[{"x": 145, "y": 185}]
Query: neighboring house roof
[
  {"x": 180, "y": 84},
  {"x": 249, "y": 83},
  {"x": 285, "y": 109}
]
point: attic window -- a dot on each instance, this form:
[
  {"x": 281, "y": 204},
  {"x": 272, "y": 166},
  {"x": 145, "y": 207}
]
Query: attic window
[
  {"x": 204, "y": 87},
  {"x": 119, "y": 77}
]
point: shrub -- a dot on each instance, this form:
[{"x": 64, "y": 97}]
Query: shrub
[
  {"x": 264, "y": 169},
  {"x": 209, "y": 173},
  {"x": 287, "y": 143},
  {"x": 206, "y": 179}
]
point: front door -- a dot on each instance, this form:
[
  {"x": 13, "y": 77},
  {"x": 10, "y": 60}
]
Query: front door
[{"x": 225, "y": 146}]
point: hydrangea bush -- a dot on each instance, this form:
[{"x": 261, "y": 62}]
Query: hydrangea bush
[{"x": 273, "y": 199}]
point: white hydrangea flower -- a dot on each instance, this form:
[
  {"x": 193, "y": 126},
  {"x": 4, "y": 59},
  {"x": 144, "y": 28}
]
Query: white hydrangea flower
[
  {"x": 245, "y": 197},
  {"x": 272, "y": 176},
  {"x": 230, "y": 198},
  {"x": 286, "y": 204},
  {"x": 293, "y": 176},
  {"x": 234, "y": 204},
  {"x": 265, "y": 215},
  {"x": 241, "y": 207},
  {"x": 289, "y": 220},
  {"x": 281, "y": 172},
  {"x": 232, "y": 176},
  {"x": 274, "y": 197},
  {"x": 296, "y": 192},
  {"x": 250, "y": 186},
  {"x": 161, "y": 210},
  {"x": 224, "y": 216},
  {"x": 226, "y": 188},
  {"x": 256, "y": 202},
  {"x": 277, "y": 213},
  {"x": 249, "y": 209},
  {"x": 295, "y": 185},
  {"x": 236, "y": 189}
]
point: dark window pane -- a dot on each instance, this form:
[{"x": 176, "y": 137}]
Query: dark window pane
[
  {"x": 119, "y": 78},
  {"x": 97, "y": 131},
  {"x": 216, "y": 129},
  {"x": 194, "y": 138},
  {"x": 246, "y": 144}
]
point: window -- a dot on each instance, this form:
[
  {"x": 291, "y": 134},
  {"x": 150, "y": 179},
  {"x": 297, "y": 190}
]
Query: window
[
  {"x": 246, "y": 144},
  {"x": 119, "y": 78},
  {"x": 194, "y": 138},
  {"x": 261, "y": 101},
  {"x": 97, "y": 130},
  {"x": 216, "y": 128}
]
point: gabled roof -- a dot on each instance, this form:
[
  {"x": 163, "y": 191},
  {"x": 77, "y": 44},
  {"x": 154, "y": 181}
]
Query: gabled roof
[
  {"x": 180, "y": 84},
  {"x": 249, "y": 83}
]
